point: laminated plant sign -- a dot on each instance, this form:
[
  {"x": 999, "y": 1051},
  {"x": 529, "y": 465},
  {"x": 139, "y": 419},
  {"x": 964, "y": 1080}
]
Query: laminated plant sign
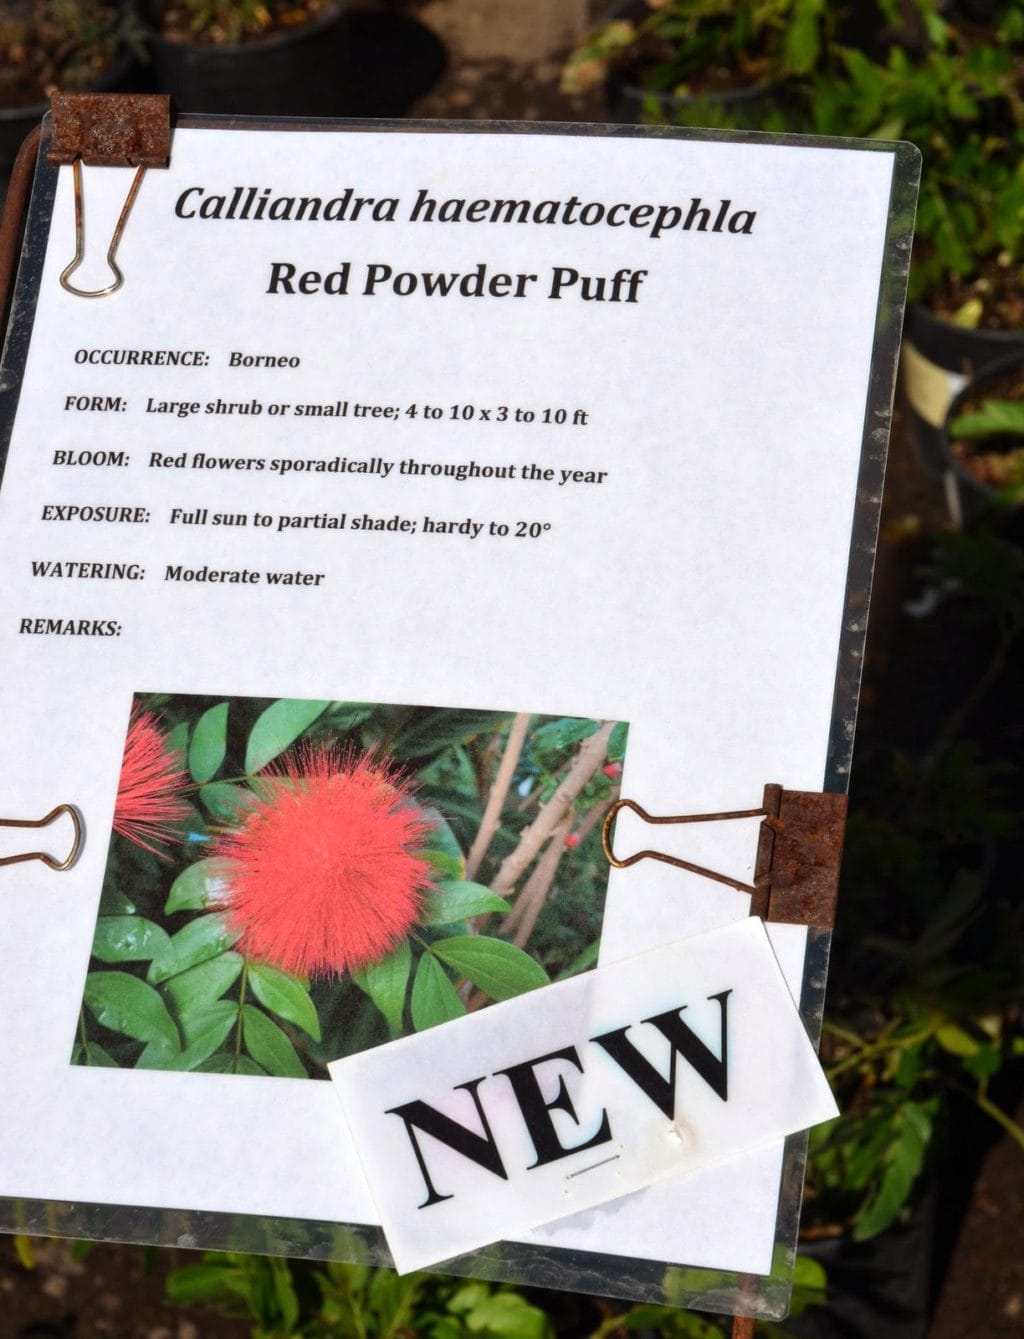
[{"x": 417, "y": 494}]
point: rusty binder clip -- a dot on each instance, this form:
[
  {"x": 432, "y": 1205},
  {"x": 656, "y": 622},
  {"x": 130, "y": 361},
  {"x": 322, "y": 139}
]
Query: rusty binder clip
[
  {"x": 49, "y": 860},
  {"x": 800, "y": 844},
  {"x": 107, "y": 130}
]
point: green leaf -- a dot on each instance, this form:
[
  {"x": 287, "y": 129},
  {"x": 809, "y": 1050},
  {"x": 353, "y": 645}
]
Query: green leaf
[
  {"x": 956, "y": 1041},
  {"x": 91, "y": 1054},
  {"x": 500, "y": 970},
  {"x": 158, "y": 1054},
  {"x": 128, "y": 939},
  {"x": 506, "y": 1315},
  {"x": 269, "y": 1046},
  {"x": 127, "y": 1005},
  {"x": 557, "y": 736},
  {"x": 245, "y": 1065},
  {"x": 285, "y": 996},
  {"x": 451, "y": 902},
  {"x": 386, "y": 982},
  {"x": 582, "y": 962},
  {"x": 221, "y": 1063},
  {"x": 203, "y": 938},
  {"x": 204, "y": 1032},
  {"x": 197, "y": 988},
  {"x": 439, "y": 729},
  {"x": 199, "y": 1283},
  {"x": 209, "y": 743},
  {"x": 434, "y": 998},
  {"x": 277, "y": 728},
  {"x": 114, "y": 903},
  {"x": 222, "y": 799},
  {"x": 994, "y": 416},
  {"x": 196, "y": 886},
  {"x": 617, "y": 742},
  {"x": 442, "y": 849}
]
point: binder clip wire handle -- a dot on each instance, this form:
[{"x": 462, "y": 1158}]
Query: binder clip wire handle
[
  {"x": 648, "y": 854},
  {"x": 50, "y": 861},
  {"x": 68, "y": 271}
]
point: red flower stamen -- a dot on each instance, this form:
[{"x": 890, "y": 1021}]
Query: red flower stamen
[
  {"x": 323, "y": 871},
  {"x": 150, "y": 810}
]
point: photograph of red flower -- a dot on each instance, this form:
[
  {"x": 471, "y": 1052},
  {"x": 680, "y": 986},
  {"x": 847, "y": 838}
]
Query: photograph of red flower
[{"x": 291, "y": 881}]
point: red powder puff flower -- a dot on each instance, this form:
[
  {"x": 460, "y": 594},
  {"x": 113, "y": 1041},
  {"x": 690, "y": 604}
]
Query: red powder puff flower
[
  {"x": 323, "y": 871},
  {"x": 150, "y": 810}
]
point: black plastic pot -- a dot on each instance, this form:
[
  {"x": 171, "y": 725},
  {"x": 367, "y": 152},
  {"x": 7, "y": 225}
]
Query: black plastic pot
[
  {"x": 300, "y": 72},
  {"x": 969, "y": 499},
  {"x": 747, "y": 107},
  {"x": 939, "y": 358}
]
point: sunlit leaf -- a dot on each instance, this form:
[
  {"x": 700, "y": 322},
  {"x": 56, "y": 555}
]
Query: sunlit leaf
[
  {"x": 285, "y": 996},
  {"x": 209, "y": 743},
  {"x": 269, "y": 1046},
  {"x": 125, "y": 1004},
  {"x": 279, "y": 727},
  {"x": 457, "y": 901},
  {"x": 434, "y": 998},
  {"x": 128, "y": 939},
  {"x": 203, "y": 938},
  {"x": 500, "y": 970},
  {"x": 196, "y": 887},
  {"x": 386, "y": 982}
]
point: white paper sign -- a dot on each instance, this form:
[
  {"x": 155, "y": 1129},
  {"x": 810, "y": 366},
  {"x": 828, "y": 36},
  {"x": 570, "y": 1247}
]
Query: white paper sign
[
  {"x": 579, "y": 1093},
  {"x": 665, "y": 485}
]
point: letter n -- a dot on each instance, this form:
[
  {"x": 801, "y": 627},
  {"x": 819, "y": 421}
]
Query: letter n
[
  {"x": 713, "y": 1069},
  {"x": 479, "y": 1148}
]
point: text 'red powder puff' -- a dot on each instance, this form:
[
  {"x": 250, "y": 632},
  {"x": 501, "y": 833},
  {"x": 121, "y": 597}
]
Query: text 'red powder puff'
[
  {"x": 323, "y": 872},
  {"x": 150, "y": 809}
]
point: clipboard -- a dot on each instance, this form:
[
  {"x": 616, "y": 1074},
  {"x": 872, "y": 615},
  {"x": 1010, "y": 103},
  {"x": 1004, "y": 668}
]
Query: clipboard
[{"x": 671, "y": 1280}]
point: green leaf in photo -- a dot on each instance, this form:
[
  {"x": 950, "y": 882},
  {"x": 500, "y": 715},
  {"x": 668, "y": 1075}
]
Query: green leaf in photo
[
  {"x": 221, "y": 1063},
  {"x": 442, "y": 850},
  {"x": 196, "y": 886},
  {"x": 500, "y": 970},
  {"x": 194, "y": 990},
  {"x": 158, "y": 1054},
  {"x": 204, "y": 1032},
  {"x": 125, "y": 1004},
  {"x": 284, "y": 995},
  {"x": 277, "y": 728},
  {"x": 223, "y": 799},
  {"x": 386, "y": 982},
  {"x": 208, "y": 744},
  {"x": 92, "y": 1054},
  {"x": 114, "y": 903},
  {"x": 269, "y": 1046},
  {"x": 128, "y": 939},
  {"x": 438, "y": 729},
  {"x": 457, "y": 901},
  {"x": 177, "y": 739},
  {"x": 434, "y": 998},
  {"x": 582, "y": 962},
  {"x": 203, "y": 938},
  {"x": 246, "y": 1065},
  {"x": 557, "y": 736},
  {"x": 617, "y": 741}
]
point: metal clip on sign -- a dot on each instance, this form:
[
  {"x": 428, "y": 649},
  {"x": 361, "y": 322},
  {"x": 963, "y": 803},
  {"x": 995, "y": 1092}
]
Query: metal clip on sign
[
  {"x": 107, "y": 130},
  {"x": 796, "y": 873},
  {"x": 48, "y": 860}
]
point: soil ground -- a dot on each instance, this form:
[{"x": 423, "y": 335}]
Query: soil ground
[{"x": 502, "y": 62}]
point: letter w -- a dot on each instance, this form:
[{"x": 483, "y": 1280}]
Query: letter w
[
  {"x": 713, "y": 1069},
  {"x": 479, "y": 1148},
  {"x": 438, "y": 283}
]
